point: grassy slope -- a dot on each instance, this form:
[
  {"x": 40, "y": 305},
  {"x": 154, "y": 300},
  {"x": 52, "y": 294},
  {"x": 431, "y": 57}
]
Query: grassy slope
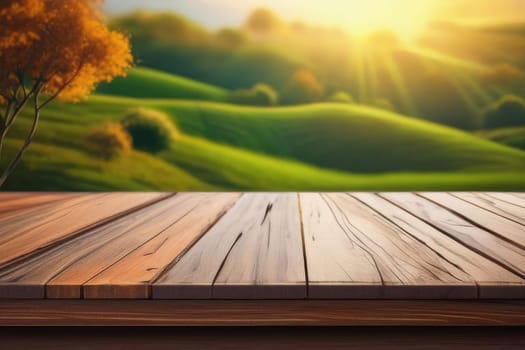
[
  {"x": 57, "y": 160},
  {"x": 344, "y": 137},
  {"x": 513, "y": 137},
  {"x": 148, "y": 83}
]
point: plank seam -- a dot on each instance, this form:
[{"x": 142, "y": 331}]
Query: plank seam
[
  {"x": 192, "y": 244},
  {"x": 64, "y": 268},
  {"x": 478, "y": 251},
  {"x": 357, "y": 240},
  {"x": 303, "y": 242},
  {"x": 138, "y": 247},
  {"x": 485, "y": 209},
  {"x": 411, "y": 235},
  {"x": 491, "y": 194},
  {"x": 23, "y": 258},
  {"x": 472, "y": 222}
]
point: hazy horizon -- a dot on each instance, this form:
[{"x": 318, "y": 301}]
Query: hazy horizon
[{"x": 403, "y": 16}]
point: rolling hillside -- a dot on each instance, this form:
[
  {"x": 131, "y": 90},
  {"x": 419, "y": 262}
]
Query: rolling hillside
[
  {"x": 350, "y": 138},
  {"x": 149, "y": 83},
  {"x": 315, "y": 147}
]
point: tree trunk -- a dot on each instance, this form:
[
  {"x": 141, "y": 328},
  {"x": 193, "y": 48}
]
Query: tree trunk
[
  {"x": 3, "y": 131},
  {"x": 12, "y": 165}
]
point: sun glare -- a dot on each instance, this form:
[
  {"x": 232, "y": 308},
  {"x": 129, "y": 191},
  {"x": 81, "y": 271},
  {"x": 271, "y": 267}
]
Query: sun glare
[{"x": 405, "y": 17}]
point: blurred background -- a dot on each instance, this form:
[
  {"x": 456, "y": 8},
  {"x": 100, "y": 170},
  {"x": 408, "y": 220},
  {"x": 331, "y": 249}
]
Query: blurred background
[{"x": 299, "y": 95}]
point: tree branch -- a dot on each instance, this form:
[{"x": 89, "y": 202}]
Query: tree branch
[
  {"x": 36, "y": 117},
  {"x": 65, "y": 85},
  {"x": 20, "y": 77},
  {"x": 20, "y": 105},
  {"x": 3, "y": 132},
  {"x": 3, "y": 117}
]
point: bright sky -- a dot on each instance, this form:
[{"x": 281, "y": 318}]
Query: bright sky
[{"x": 404, "y": 16}]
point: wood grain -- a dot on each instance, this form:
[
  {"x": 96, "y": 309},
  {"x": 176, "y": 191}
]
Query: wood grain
[
  {"x": 483, "y": 242},
  {"x": 493, "y": 280},
  {"x": 254, "y": 252},
  {"x": 66, "y": 267},
  {"x": 260, "y": 338},
  {"x": 261, "y": 313},
  {"x": 29, "y": 234},
  {"x": 262, "y": 246},
  {"x": 12, "y": 203},
  {"x": 132, "y": 276},
  {"x": 495, "y": 205},
  {"x": 513, "y": 198},
  {"x": 497, "y": 224},
  {"x": 352, "y": 252}
]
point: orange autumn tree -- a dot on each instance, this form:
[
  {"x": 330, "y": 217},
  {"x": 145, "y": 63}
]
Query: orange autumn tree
[{"x": 52, "y": 49}]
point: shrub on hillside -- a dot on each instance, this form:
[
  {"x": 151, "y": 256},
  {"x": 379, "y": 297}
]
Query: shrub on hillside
[
  {"x": 384, "y": 103},
  {"x": 150, "y": 130},
  {"x": 258, "y": 95},
  {"x": 509, "y": 111},
  {"x": 304, "y": 87},
  {"x": 341, "y": 97},
  {"x": 108, "y": 141}
]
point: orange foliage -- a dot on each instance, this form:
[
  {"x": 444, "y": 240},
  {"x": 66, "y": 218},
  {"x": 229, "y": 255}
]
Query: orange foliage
[
  {"x": 307, "y": 80},
  {"x": 61, "y": 47}
]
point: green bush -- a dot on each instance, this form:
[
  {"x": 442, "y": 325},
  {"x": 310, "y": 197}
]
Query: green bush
[
  {"x": 341, "y": 97},
  {"x": 150, "y": 130},
  {"x": 258, "y": 95},
  {"x": 509, "y": 111},
  {"x": 384, "y": 103},
  {"x": 108, "y": 141}
]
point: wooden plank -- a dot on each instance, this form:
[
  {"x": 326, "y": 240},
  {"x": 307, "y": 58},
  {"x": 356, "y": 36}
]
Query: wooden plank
[
  {"x": 498, "y": 225},
  {"x": 12, "y": 202},
  {"x": 352, "y": 252},
  {"x": 66, "y": 219},
  {"x": 497, "y": 206},
  {"x": 25, "y": 215},
  {"x": 493, "y": 280},
  {"x": 511, "y": 198},
  {"x": 131, "y": 276},
  {"x": 261, "y": 313},
  {"x": 67, "y": 267},
  {"x": 254, "y": 252},
  {"x": 518, "y": 194},
  {"x": 506, "y": 254}
]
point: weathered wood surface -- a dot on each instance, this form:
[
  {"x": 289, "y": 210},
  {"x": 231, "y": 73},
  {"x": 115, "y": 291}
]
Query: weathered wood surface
[
  {"x": 491, "y": 278},
  {"x": 494, "y": 247},
  {"x": 262, "y": 246},
  {"x": 495, "y": 223},
  {"x": 254, "y": 251},
  {"x": 23, "y": 234},
  {"x": 370, "y": 257},
  {"x": 132, "y": 276},
  {"x": 66, "y": 268},
  {"x": 500, "y": 207}
]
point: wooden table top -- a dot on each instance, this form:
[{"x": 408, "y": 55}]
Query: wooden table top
[{"x": 262, "y": 246}]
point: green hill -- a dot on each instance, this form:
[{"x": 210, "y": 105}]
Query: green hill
[
  {"x": 513, "y": 137},
  {"x": 148, "y": 83},
  {"x": 350, "y": 138},
  {"x": 316, "y": 147}
]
